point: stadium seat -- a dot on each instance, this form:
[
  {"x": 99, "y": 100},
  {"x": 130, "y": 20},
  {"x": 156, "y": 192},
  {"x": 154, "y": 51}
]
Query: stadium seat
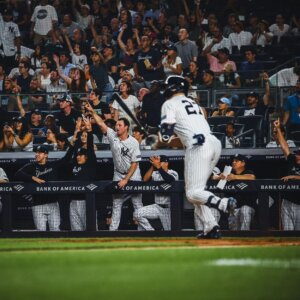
[
  {"x": 215, "y": 121},
  {"x": 251, "y": 122}
]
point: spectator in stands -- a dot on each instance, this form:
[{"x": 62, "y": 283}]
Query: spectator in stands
[
  {"x": 239, "y": 37},
  {"x": 253, "y": 21},
  {"x": 262, "y": 36},
  {"x": 223, "y": 108},
  {"x": 51, "y": 141},
  {"x": 172, "y": 63},
  {"x": 230, "y": 78},
  {"x": 216, "y": 41},
  {"x": 147, "y": 62},
  {"x": 68, "y": 25},
  {"x": 100, "y": 107},
  {"x": 279, "y": 28},
  {"x": 99, "y": 73},
  {"x": 292, "y": 110},
  {"x": 295, "y": 31},
  {"x": 18, "y": 137},
  {"x": 63, "y": 65},
  {"x": 49, "y": 123},
  {"x": 290, "y": 207},
  {"x": 275, "y": 142},
  {"x": 35, "y": 119},
  {"x": 251, "y": 69},
  {"x": 10, "y": 39},
  {"x": 111, "y": 62},
  {"x": 2, "y": 143},
  {"x": 129, "y": 99},
  {"x": 62, "y": 142},
  {"x": 139, "y": 134},
  {"x": 2, "y": 79},
  {"x": 194, "y": 76},
  {"x": 208, "y": 79},
  {"x": 24, "y": 79},
  {"x": 186, "y": 49},
  {"x": 67, "y": 116},
  {"x": 244, "y": 214},
  {"x": 125, "y": 19},
  {"x": 254, "y": 106},
  {"x": 286, "y": 77},
  {"x": 82, "y": 14},
  {"x": 78, "y": 58},
  {"x": 129, "y": 49},
  {"x": 54, "y": 88},
  {"x": 217, "y": 64},
  {"x": 228, "y": 28},
  {"x": 44, "y": 75},
  {"x": 167, "y": 35},
  {"x": 44, "y": 19},
  {"x": 230, "y": 140},
  {"x": 15, "y": 72},
  {"x": 151, "y": 106}
]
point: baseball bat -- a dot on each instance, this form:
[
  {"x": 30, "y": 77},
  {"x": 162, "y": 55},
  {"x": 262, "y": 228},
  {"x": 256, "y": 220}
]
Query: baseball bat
[{"x": 116, "y": 97}]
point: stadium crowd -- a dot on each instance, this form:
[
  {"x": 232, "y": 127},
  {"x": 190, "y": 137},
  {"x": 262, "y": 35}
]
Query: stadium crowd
[{"x": 62, "y": 60}]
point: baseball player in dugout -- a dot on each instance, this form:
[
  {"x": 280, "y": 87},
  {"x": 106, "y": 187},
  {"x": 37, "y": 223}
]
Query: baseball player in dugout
[
  {"x": 246, "y": 203},
  {"x": 45, "y": 209},
  {"x": 159, "y": 171},
  {"x": 290, "y": 207},
  {"x": 182, "y": 116},
  {"x": 126, "y": 157}
]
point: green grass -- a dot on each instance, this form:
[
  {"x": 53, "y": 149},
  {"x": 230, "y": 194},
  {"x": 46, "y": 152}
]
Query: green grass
[{"x": 64, "y": 269}]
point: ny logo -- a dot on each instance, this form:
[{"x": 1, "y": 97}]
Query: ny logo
[
  {"x": 124, "y": 151},
  {"x": 10, "y": 29}
]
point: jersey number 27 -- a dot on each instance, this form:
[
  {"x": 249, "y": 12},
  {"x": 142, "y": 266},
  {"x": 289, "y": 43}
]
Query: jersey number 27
[{"x": 191, "y": 108}]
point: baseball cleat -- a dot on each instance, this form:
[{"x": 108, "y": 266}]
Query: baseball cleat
[{"x": 213, "y": 234}]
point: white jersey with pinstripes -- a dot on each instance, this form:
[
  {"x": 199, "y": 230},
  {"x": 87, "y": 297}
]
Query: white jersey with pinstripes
[
  {"x": 124, "y": 153},
  {"x": 187, "y": 116},
  {"x": 159, "y": 197}
]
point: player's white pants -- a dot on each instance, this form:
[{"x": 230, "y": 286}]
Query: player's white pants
[
  {"x": 199, "y": 163},
  {"x": 46, "y": 213},
  {"x": 78, "y": 215},
  {"x": 153, "y": 211},
  {"x": 244, "y": 216},
  {"x": 198, "y": 223},
  {"x": 118, "y": 200},
  {"x": 290, "y": 215}
]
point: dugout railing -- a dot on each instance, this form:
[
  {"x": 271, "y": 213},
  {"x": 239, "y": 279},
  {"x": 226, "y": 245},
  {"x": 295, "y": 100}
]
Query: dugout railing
[{"x": 175, "y": 190}]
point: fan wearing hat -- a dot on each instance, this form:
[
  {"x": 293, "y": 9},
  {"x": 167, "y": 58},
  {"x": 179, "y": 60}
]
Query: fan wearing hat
[
  {"x": 172, "y": 63},
  {"x": 218, "y": 63},
  {"x": 158, "y": 171},
  {"x": 246, "y": 204},
  {"x": 45, "y": 208},
  {"x": 290, "y": 207},
  {"x": 253, "y": 105},
  {"x": 68, "y": 115},
  {"x": 83, "y": 169},
  {"x": 223, "y": 108}
]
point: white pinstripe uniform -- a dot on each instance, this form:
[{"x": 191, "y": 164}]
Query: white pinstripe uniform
[
  {"x": 3, "y": 176},
  {"x": 199, "y": 159},
  {"x": 124, "y": 153},
  {"x": 159, "y": 210}
]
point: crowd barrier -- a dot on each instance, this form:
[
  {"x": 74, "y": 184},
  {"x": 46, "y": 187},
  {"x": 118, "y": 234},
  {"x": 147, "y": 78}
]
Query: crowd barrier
[{"x": 175, "y": 190}]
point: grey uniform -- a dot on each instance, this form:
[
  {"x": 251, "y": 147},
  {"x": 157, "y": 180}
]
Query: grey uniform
[
  {"x": 159, "y": 210},
  {"x": 124, "y": 153}
]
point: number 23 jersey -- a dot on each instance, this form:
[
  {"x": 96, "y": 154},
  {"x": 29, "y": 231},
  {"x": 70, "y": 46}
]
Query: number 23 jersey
[{"x": 187, "y": 116}]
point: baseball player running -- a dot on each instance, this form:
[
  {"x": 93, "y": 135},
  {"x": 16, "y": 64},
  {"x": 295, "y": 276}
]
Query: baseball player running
[
  {"x": 46, "y": 208},
  {"x": 126, "y": 156},
  {"x": 159, "y": 171},
  {"x": 182, "y": 116}
]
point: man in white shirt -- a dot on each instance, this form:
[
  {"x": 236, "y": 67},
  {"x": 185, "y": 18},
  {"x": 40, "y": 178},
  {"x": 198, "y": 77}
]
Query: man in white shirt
[
  {"x": 44, "y": 19},
  {"x": 240, "y": 37},
  {"x": 10, "y": 40}
]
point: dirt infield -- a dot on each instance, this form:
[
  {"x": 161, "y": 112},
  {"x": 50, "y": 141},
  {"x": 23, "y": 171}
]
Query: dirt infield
[{"x": 192, "y": 242}]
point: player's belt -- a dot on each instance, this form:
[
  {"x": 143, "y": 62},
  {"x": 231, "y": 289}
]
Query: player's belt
[
  {"x": 163, "y": 205},
  {"x": 122, "y": 173}
]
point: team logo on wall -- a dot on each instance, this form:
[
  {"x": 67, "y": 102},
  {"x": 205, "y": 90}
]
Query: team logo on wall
[
  {"x": 18, "y": 187},
  {"x": 91, "y": 187}
]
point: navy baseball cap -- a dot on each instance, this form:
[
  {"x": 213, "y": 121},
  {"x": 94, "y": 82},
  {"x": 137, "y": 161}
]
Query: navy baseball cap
[
  {"x": 164, "y": 158},
  {"x": 41, "y": 148},
  {"x": 82, "y": 151},
  {"x": 253, "y": 94},
  {"x": 240, "y": 157}
]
